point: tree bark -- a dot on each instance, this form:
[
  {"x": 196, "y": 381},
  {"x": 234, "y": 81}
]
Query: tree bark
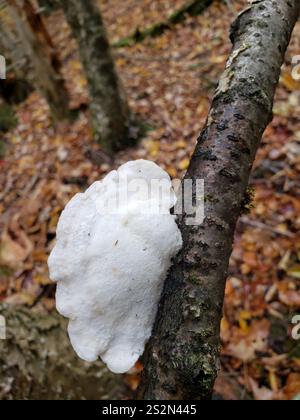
[
  {"x": 13, "y": 51},
  {"x": 37, "y": 362},
  {"x": 47, "y": 77},
  {"x": 109, "y": 109},
  {"x": 38, "y": 26},
  {"x": 182, "y": 358}
]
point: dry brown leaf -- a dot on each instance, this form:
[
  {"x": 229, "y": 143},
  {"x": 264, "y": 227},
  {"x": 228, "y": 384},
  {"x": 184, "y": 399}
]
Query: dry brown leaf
[
  {"x": 14, "y": 248},
  {"x": 260, "y": 393},
  {"x": 289, "y": 82},
  {"x": 292, "y": 388},
  {"x": 245, "y": 345},
  {"x": 290, "y": 298}
]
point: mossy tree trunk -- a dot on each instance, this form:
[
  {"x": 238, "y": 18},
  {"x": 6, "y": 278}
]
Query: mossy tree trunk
[
  {"x": 38, "y": 48},
  {"x": 109, "y": 109},
  {"x": 37, "y": 362},
  {"x": 182, "y": 357},
  {"x": 11, "y": 48}
]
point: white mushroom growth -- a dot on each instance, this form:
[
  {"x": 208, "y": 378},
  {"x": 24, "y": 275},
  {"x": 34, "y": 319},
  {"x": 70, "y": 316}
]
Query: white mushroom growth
[{"x": 114, "y": 248}]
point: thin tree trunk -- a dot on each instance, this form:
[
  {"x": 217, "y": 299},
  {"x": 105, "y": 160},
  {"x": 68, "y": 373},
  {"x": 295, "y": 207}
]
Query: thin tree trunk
[
  {"x": 10, "y": 47},
  {"x": 182, "y": 358},
  {"x": 37, "y": 362},
  {"x": 109, "y": 109},
  {"x": 46, "y": 76},
  {"x": 49, "y": 6},
  {"x": 38, "y": 26}
]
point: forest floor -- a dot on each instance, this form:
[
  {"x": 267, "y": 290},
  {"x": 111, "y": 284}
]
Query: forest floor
[{"x": 170, "y": 82}]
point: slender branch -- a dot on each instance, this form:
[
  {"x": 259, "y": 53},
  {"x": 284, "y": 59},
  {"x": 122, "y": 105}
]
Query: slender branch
[
  {"x": 182, "y": 358},
  {"x": 263, "y": 226}
]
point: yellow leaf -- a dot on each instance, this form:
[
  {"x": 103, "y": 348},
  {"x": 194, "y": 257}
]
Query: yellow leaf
[
  {"x": 121, "y": 62},
  {"x": 181, "y": 144},
  {"x": 184, "y": 164},
  {"x": 153, "y": 146},
  {"x": 273, "y": 381},
  {"x": 294, "y": 272},
  {"x": 288, "y": 82},
  {"x": 42, "y": 280},
  {"x": 172, "y": 171},
  {"x": 76, "y": 65},
  {"x": 244, "y": 317},
  {"x": 26, "y": 298}
]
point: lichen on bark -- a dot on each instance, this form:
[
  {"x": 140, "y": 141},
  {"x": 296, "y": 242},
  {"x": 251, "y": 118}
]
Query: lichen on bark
[{"x": 37, "y": 362}]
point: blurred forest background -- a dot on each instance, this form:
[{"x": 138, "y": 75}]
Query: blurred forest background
[{"x": 169, "y": 65}]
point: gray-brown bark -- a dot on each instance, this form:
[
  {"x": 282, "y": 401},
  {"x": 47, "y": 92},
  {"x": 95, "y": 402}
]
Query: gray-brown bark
[
  {"x": 12, "y": 50},
  {"x": 47, "y": 78},
  {"x": 109, "y": 110},
  {"x": 37, "y": 362},
  {"x": 191, "y": 8},
  {"x": 183, "y": 355}
]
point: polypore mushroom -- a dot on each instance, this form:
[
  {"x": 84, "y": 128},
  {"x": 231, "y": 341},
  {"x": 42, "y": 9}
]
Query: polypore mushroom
[{"x": 110, "y": 261}]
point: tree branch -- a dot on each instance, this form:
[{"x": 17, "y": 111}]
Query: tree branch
[{"x": 182, "y": 357}]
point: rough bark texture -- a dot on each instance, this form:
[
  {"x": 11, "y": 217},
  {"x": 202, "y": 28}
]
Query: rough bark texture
[
  {"x": 37, "y": 362},
  {"x": 183, "y": 355},
  {"x": 46, "y": 75},
  {"x": 38, "y": 26},
  {"x": 109, "y": 110}
]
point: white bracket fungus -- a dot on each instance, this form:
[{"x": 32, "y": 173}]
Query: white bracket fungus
[{"x": 114, "y": 248}]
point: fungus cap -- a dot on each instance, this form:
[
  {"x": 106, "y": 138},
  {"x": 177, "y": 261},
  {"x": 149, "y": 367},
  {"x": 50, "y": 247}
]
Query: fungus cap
[{"x": 110, "y": 262}]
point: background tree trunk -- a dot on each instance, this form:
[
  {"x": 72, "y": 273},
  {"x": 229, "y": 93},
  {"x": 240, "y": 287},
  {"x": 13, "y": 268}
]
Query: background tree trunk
[
  {"x": 46, "y": 75},
  {"x": 38, "y": 26},
  {"x": 109, "y": 109},
  {"x": 12, "y": 49},
  {"x": 37, "y": 362},
  {"x": 182, "y": 358}
]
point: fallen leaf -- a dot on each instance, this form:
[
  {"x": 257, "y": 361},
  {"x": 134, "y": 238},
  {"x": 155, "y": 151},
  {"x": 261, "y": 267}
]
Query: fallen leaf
[
  {"x": 291, "y": 391},
  {"x": 290, "y": 297},
  {"x": 260, "y": 393},
  {"x": 184, "y": 164},
  {"x": 289, "y": 82},
  {"x": 14, "y": 249},
  {"x": 245, "y": 345}
]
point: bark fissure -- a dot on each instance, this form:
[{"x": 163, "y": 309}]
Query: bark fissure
[{"x": 182, "y": 357}]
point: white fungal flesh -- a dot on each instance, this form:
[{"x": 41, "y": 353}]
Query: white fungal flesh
[{"x": 110, "y": 266}]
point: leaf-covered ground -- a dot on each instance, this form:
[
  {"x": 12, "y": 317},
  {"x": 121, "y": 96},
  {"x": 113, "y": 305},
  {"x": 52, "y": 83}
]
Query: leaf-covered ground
[{"x": 170, "y": 81}]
